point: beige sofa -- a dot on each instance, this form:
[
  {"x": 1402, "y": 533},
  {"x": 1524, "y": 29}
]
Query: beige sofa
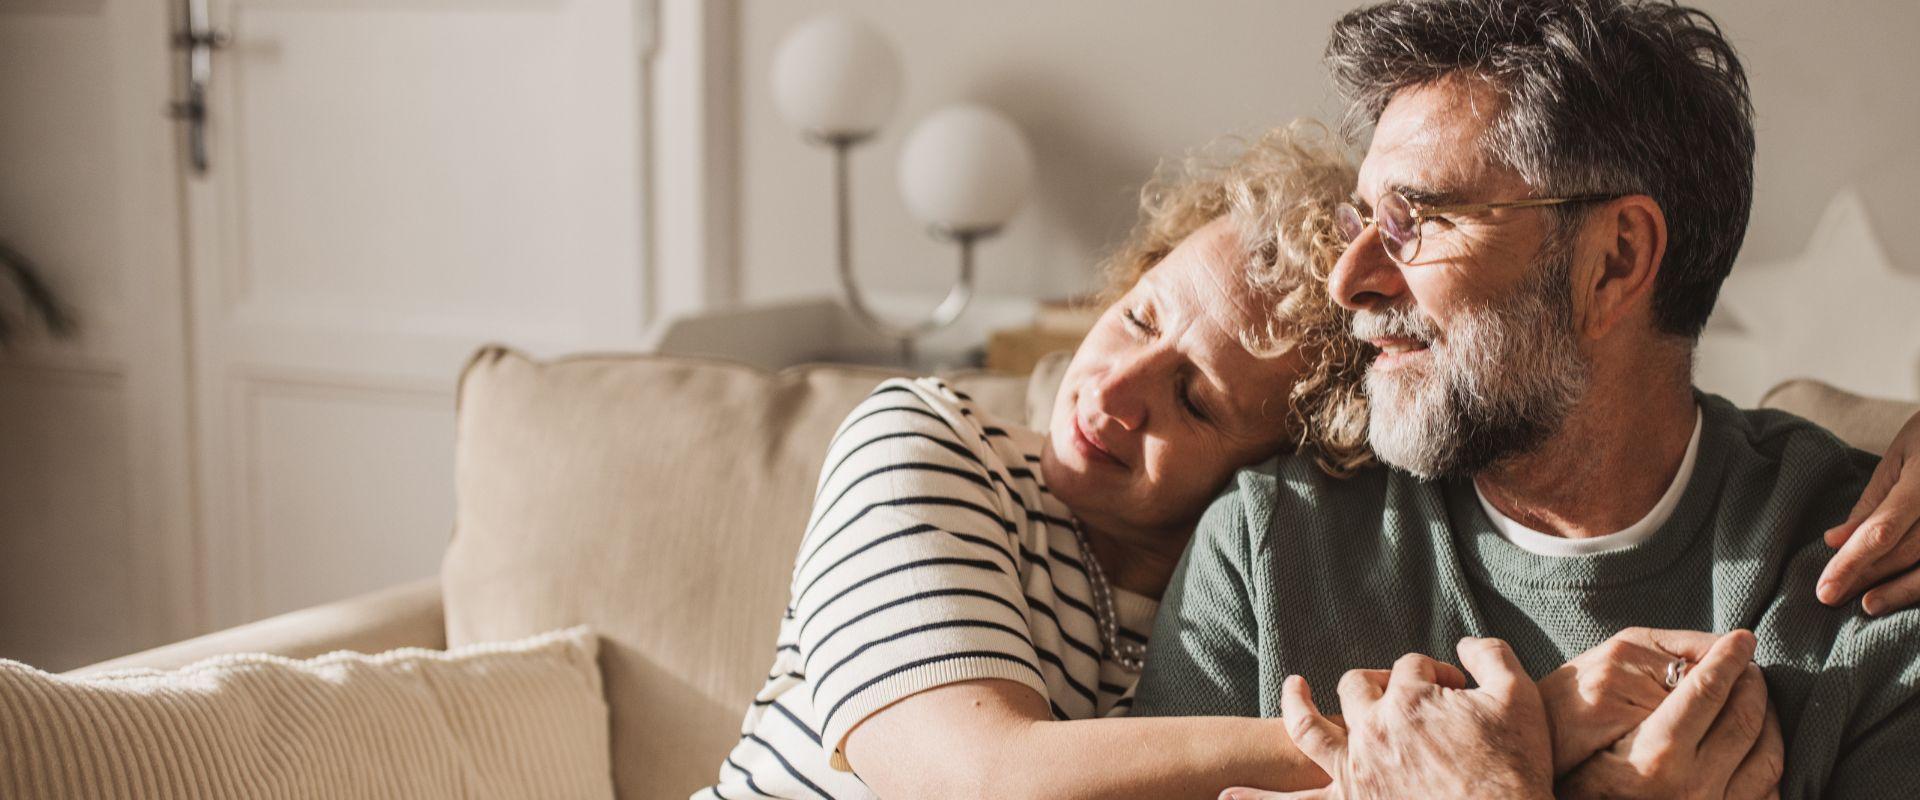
[{"x": 661, "y": 500}]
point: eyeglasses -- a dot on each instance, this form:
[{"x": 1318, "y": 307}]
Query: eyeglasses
[{"x": 1400, "y": 220}]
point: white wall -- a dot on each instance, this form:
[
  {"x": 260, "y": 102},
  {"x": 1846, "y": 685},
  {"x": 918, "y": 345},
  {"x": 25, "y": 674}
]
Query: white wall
[
  {"x": 1105, "y": 89},
  {"x": 1835, "y": 105},
  {"x": 94, "y": 521}
]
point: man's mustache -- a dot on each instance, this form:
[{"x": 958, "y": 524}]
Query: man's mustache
[{"x": 1395, "y": 323}]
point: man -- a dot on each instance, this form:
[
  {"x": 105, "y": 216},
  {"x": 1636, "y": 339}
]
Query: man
[{"x": 1554, "y": 192}]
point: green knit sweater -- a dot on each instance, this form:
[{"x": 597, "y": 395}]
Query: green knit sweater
[{"x": 1292, "y": 572}]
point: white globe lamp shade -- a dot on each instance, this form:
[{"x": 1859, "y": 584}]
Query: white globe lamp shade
[
  {"x": 965, "y": 169},
  {"x": 835, "y": 76}
]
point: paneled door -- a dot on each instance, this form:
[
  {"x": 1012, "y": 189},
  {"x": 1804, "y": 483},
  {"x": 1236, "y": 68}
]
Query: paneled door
[{"x": 388, "y": 185}]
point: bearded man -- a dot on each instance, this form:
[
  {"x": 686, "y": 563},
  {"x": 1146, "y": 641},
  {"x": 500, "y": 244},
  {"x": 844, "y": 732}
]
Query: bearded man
[{"x": 1553, "y": 194}]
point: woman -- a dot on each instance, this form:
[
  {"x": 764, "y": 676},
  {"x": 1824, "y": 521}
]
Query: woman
[{"x": 986, "y": 590}]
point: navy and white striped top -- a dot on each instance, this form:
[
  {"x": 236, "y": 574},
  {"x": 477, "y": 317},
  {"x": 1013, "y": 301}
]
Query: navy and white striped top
[{"x": 934, "y": 554}]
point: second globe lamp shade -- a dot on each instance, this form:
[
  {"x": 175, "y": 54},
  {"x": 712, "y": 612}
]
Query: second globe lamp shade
[{"x": 965, "y": 169}]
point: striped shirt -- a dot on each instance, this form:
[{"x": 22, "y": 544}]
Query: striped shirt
[{"x": 934, "y": 554}]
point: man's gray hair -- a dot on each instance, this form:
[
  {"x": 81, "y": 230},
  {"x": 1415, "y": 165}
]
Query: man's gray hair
[{"x": 1602, "y": 97}]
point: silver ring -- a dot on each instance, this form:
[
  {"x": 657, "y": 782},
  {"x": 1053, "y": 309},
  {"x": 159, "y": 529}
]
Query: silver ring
[{"x": 1676, "y": 669}]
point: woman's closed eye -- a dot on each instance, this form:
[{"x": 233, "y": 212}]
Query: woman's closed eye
[
  {"x": 1190, "y": 401},
  {"x": 1183, "y": 390}
]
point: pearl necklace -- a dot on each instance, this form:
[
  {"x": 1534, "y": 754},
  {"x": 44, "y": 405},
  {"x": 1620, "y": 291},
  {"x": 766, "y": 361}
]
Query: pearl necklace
[{"x": 1131, "y": 656}]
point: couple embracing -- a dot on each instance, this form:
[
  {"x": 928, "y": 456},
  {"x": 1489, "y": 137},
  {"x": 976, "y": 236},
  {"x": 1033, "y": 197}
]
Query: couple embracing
[{"x": 1416, "y": 442}]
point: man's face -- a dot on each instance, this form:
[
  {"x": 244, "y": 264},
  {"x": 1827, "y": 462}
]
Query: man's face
[
  {"x": 1478, "y": 357},
  {"x": 1162, "y": 402}
]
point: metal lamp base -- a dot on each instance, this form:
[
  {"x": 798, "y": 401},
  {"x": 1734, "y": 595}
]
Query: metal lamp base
[{"x": 943, "y": 314}]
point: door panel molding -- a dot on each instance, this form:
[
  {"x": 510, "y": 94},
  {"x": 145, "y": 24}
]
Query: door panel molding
[{"x": 253, "y": 390}]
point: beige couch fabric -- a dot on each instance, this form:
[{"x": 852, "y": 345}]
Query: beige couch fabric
[
  {"x": 407, "y": 615},
  {"x": 1868, "y": 423},
  {"x": 515, "y": 719},
  {"x": 661, "y": 501}
]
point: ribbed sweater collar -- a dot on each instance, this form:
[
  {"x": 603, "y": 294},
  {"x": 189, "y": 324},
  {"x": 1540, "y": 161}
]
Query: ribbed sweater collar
[{"x": 1492, "y": 558}]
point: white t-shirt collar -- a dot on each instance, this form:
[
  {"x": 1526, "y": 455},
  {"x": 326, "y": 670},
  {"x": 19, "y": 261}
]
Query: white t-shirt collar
[{"x": 1547, "y": 544}]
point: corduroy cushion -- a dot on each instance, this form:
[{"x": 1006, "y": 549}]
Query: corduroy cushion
[
  {"x": 513, "y": 719},
  {"x": 659, "y": 500}
]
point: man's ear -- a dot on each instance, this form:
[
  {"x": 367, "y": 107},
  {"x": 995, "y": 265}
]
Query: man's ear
[{"x": 1631, "y": 234}]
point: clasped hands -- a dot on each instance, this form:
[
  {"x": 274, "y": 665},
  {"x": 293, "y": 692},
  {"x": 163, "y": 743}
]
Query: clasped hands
[{"x": 1604, "y": 725}]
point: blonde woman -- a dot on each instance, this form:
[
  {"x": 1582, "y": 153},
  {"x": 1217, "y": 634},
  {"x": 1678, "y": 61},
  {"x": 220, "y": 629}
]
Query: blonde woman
[{"x": 970, "y": 604}]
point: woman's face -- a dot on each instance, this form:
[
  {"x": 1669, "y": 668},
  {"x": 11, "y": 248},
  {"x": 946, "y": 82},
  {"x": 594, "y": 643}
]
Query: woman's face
[{"x": 1162, "y": 402}]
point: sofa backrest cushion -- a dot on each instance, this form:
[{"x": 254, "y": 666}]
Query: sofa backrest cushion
[{"x": 660, "y": 500}]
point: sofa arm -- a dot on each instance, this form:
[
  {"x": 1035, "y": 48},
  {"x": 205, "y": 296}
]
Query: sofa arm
[{"x": 407, "y": 615}]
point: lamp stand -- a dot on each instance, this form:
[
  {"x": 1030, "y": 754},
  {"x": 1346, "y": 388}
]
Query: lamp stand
[{"x": 943, "y": 314}]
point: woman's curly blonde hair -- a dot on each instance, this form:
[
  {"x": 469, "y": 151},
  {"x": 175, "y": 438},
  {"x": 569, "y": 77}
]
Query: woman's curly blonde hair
[{"x": 1279, "y": 191}]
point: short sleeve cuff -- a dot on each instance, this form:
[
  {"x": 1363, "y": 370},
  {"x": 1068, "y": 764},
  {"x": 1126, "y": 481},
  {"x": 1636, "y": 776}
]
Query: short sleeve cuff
[{"x": 866, "y": 701}]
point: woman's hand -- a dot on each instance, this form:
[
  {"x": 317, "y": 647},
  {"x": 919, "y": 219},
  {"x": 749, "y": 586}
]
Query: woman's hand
[
  {"x": 1602, "y": 695},
  {"x": 1715, "y": 736},
  {"x": 1880, "y": 541}
]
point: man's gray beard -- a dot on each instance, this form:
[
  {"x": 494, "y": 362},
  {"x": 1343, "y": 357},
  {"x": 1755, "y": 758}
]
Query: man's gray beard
[{"x": 1500, "y": 383}]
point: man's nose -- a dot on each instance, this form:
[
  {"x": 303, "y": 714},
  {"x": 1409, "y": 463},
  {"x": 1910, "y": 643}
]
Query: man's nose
[{"x": 1365, "y": 278}]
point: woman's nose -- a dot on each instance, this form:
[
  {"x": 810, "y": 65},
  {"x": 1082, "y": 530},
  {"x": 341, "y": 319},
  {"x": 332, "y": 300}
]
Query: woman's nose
[
  {"x": 1365, "y": 278},
  {"x": 1119, "y": 395}
]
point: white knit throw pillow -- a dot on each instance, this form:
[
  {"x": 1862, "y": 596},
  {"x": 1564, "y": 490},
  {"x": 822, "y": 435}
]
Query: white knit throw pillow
[{"x": 511, "y": 719}]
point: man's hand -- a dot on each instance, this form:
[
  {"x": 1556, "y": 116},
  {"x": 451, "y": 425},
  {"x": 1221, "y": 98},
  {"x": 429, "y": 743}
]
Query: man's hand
[
  {"x": 1714, "y": 736},
  {"x": 1606, "y": 692},
  {"x": 1419, "y": 732},
  {"x": 1880, "y": 541}
]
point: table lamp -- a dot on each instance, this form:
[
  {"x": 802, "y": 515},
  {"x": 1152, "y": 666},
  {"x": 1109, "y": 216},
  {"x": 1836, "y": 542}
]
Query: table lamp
[{"x": 963, "y": 171}]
